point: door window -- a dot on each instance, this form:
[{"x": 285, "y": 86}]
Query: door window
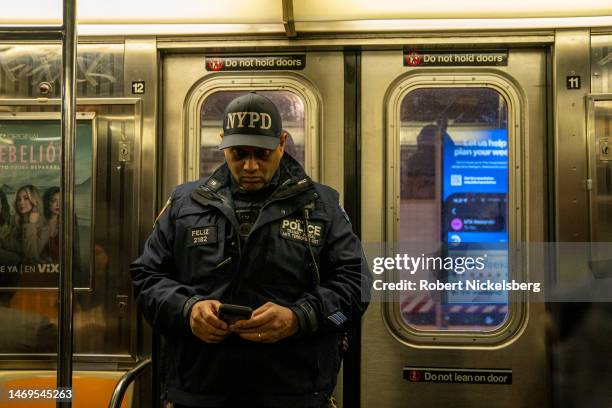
[
  {"x": 289, "y": 104},
  {"x": 454, "y": 191}
]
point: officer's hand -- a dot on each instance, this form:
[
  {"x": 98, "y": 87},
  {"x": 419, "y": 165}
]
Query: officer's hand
[
  {"x": 205, "y": 324},
  {"x": 268, "y": 324}
]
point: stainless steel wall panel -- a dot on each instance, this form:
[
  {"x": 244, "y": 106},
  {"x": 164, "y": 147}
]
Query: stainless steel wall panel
[
  {"x": 141, "y": 65},
  {"x": 367, "y": 41},
  {"x": 179, "y": 73},
  {"x": 571, "y": 58},
  {"x": 111, "y": 250},
  {"x": 326, "y": 71}
]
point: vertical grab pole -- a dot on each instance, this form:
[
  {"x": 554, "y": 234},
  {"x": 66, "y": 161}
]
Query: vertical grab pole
[{"x": 69, "y": 45}]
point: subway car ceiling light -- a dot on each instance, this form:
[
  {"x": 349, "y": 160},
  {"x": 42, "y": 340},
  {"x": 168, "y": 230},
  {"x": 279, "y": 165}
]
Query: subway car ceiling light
[
  {"x": 271, "y": 11},
  {"x": 454, "y": 24},
  {"x": 414, "y": 25},
  {"x": 117, "y": 17},
  {"x": 178, "y": 29}
]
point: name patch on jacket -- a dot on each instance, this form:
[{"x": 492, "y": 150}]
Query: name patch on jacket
[
  {"x": 202, "y": 235},
  {"x": 295, "y": 230}
]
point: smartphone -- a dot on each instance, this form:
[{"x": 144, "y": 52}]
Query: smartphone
[{"x": 230, "y": 314}]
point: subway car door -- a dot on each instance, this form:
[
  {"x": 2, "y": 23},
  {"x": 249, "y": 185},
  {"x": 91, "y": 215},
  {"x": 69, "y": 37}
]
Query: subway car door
[
  {"x": 454, "y": 149},
  {"x": 198, "y": 86}
]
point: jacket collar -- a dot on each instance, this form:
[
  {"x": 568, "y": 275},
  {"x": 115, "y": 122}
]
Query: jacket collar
[
  {"x": 215, "y": 191},
  {"x": 291, "y": 173}
]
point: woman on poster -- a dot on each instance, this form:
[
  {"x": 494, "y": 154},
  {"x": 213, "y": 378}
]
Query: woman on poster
[
  {"x": 10, "y": 249},
  {"x": 50, "y": 252},
  {"x": 30, "y": 224},
  {"x": 51, "y": 202}
]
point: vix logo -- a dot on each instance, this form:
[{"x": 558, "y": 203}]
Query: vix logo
[{"x": 48, "y": 268}]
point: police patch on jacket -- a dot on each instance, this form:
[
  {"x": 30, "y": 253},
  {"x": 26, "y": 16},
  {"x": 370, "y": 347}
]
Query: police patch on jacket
[
  {"x": 202, "y": 235},
  {"x": 295, "y": 230}
]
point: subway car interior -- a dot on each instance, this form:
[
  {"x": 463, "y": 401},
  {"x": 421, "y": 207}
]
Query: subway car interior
[{"x": 470, "y": 143}]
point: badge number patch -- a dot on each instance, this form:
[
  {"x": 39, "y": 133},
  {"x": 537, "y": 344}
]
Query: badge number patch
[
  {"x": 295, "y": 230},
  {"x": 202, "y": 235}
]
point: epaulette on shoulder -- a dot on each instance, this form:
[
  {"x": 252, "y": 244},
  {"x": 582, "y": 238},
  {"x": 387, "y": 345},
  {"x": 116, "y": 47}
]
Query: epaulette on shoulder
[
  {"x": 181, "y": 193},
  {"x": 213, "y": 184},
  {"x": 327, "y": 193},
  {"x": 164, "y": 208}
]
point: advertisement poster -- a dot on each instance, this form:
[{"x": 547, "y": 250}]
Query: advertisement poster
[
  {"x": 475, "y": 209},
  {"x": 475, "y": 187},
  {"x": 30, "y": 161}
]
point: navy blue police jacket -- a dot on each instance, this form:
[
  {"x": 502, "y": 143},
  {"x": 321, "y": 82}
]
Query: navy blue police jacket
[{"x": 194, "y": 252}]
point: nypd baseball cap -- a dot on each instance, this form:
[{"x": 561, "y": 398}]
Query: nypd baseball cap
[{"x": 251, "y": 120}]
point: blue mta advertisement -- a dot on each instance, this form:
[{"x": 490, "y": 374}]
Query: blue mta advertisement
[
  {"x": 475, "y": 208},
  {"x": 475, "y": 187}
]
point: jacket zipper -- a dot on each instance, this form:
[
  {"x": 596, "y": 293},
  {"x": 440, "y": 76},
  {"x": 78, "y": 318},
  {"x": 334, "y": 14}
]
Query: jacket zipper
[
  {"x": 215, "y": 196},
  {"x": 226, "y": 261}
]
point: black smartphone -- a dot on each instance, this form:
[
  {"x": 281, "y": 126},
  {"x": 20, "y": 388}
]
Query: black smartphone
[{"x": 232, "y": 313}]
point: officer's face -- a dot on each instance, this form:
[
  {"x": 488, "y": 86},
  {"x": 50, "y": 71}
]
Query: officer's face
[{"x": 254, "y": 167}]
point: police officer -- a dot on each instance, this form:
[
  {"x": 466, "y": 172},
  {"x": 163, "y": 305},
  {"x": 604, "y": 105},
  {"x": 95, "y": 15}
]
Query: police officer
[{"x": 259, "y": 233}]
